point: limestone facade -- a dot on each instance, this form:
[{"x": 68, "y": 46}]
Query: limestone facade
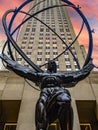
[{"x": 18, "y": 100}]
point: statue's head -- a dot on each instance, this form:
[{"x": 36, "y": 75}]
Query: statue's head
[{"x": 52, "y": 66}]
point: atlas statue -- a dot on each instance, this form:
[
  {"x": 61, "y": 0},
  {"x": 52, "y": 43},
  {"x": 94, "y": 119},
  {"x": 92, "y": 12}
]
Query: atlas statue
[{"x": 55, "y": 100}]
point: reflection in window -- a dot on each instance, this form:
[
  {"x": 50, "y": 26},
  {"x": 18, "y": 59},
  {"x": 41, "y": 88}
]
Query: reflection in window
[
  {"x": 85, "y": 126},
  {"x": 53, "y": 126},
  {"x": 10, "y": 126}
]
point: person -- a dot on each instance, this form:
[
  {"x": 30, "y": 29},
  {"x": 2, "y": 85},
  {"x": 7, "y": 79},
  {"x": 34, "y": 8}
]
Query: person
[{"x": 54, "y": 100}]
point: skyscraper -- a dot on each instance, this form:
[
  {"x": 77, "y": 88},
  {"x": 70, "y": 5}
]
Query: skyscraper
[{"x": 40, "y": 44}]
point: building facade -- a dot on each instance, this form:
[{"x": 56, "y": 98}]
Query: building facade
[
  {"x": 18, "y": 100},
  {"x": 40, "y": 44},
  {"x": 1, "y": 47}
]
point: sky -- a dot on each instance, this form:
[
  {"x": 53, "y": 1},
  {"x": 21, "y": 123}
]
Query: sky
[{"x": 89, "y": 9}]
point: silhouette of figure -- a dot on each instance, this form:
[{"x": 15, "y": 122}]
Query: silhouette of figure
[{"x": 54, "y": 101}]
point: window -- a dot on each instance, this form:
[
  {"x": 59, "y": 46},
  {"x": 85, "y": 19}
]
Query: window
[
  {"x": 55, "y": 47},
  {"x": 54, "y": 42},
  {"x": 76, "y": 67},
  {"x": 67, "y": 30},
  {"x": 24, "y": 37},
  {"x": 19, "y": 59},
  {"x": 75, "y": 63},
  {"x": 39, "y": 53},
  {"x": 67, "y": 59},
  {"x": 85, "y": 126},
  {"x": 31, "y": 38},
  {"x": 68, "y": 66},
  {"x": 10, "y": 126},
  {"x": 29, "y": 22},
  {"x": 40, "y": 47},
  {"x": 61, "y": 30},
  {"x": 41, "y": 29},
  {"x": 41, "y": 34},
  {"x": 66, "y": 52},
  {"x": 31, "y": 42},
  {"x": 29, "y": 53},
  {"x": 53, "y": 126},
  {"x": 22, "y": 47},
  {"x": 48, "y": 43},
  {"x": 47, "y": 53},
  {"x": 47, "y": 59},
  {"x": 47, "y": 34},
  {"x": 39, "y": 59},
  {"x": 66, "y": 56},
  {"x": 29, "y": 47},
  {"x": 63, "y": 38},
  {"x": 24, "y": 42},
  {"x": 53, "y": 25},
  {"x": 47, "y": 38},
  {"x": 66, "y": 25},
  {"x": 32, "y": 34},
  {"x": 53, "y": 34},
  {"x": 68, "y": 63},
  {"x": 53, "y": 29},
  {"x": 33, "y": 29},
  {"x": 68, "y": 34},
  {"x": 34, "y": 25},
  {"x": 47, "y": 47},
  {"x": 28, "y": 25},
  {"x": 40, "y": 42},
  {"x": 40, "y": 38},
  {"x": 55, "y": 53},
  {"x": 86, "y": 114},
  {"x": 27, "y": 29},
  {"x": 26, "y": 34},
  {"x": 69, "y": 38},
  {"x": 62, "y": 34},
  {"x": 47, "y": 30}
]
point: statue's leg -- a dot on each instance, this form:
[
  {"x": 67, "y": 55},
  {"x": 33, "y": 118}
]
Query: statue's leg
[
  {"x": 40, "y": 115},
  {"x": 65, "y": 112},
  {"x": 64, "y": 117},
  {"x": 70, "y": 118}
]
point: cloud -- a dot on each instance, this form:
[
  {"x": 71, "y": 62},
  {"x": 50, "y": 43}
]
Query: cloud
[
  {"x": 89, "y": 7},
  {"x": 6, "y": 5},
  {"x": 2, "y": 37},
  {"x": 9, "y": 4}
]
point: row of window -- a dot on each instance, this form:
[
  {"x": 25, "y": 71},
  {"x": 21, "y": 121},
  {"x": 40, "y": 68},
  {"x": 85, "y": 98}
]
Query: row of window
[{"x": 47, "y": 15}]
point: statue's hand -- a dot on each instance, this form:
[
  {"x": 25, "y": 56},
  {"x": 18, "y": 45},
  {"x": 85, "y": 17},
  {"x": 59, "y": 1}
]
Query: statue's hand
[{"x": 88, "y": 68}]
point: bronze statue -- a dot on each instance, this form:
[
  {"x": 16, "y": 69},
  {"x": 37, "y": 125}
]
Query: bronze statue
[{"x": 54, "y": 101}]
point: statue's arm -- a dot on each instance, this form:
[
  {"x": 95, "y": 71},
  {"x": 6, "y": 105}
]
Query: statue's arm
[
  {"x": 84, "y": 72},
  {"x": 72, "y": 78},
  {"x": 20, "y": 70}
]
